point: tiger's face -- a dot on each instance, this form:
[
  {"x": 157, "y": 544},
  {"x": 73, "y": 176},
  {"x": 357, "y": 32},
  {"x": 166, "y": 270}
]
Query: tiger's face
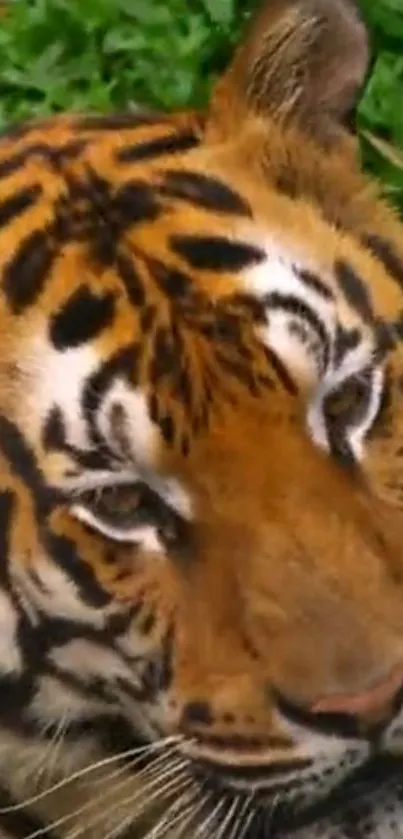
[{"x": 201, "y": 433}]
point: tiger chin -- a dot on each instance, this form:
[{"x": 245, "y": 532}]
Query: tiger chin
[{"x": 201, "y": 443}]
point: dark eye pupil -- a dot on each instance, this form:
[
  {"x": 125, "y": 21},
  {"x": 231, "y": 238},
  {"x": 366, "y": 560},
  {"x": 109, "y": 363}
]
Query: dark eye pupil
[
  {"x": 347, "y": 405},
  {"x": 122, "y": 506},
  {"x": 127, "y": 506}
]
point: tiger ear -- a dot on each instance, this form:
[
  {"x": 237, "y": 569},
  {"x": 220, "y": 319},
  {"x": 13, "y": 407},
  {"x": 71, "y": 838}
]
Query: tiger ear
[{"x": 301, "y": 60}]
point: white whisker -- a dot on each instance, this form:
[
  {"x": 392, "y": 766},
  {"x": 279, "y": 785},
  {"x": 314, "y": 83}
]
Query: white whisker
[
  {"x": 227, "y": 820},
  {"x": 186, "y": 818},
  {"x": 245, "y": 803},
  {"x": 211, "y": 816},
  {"x": 132, "y": 799},
  {"x": 102, "y": 796},
  {"x": 168, "y": 819},
  {"x": 237, "y": 816},
  {"x": 52, "y": 753},
  {"x": 248, "y": 819},
  {"x": 86, "y": 770}
]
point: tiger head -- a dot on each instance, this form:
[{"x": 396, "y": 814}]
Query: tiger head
[{"x": 201, "y": 434}]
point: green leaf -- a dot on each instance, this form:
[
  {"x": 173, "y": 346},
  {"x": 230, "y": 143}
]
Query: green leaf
[{"x": 220, "y": 11}]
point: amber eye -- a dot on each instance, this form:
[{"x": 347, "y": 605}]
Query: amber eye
[
  {"x": 121, "y": 506},
  {"x": 129, "y": 513},
  {"x": 347, "y": 406}
]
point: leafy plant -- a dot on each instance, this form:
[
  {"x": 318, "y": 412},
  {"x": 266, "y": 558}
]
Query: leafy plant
[
  {"x": 380, "y": 114},
  {"x": 112, "y": 54}
]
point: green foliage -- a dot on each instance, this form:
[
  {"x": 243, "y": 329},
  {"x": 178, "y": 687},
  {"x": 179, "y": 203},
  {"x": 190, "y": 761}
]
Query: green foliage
[
  {"x": 111, "y": 54},
  {"x": 380, "y": 114}
]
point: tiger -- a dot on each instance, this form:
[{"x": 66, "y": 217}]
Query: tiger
[{"x": 201, "y": 449}]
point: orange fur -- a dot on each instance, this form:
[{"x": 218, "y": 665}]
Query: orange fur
[{"x": 293, "y": 575}]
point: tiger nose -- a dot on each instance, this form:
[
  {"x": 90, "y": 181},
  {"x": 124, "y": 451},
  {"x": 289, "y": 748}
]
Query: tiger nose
[{"x": 374, "y": 706}]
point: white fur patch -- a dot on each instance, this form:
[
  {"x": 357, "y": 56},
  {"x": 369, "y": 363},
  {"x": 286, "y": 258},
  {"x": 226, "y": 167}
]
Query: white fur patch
[
  {"x": 142, "y": 434},
  {"x": 279, "y": 275},
  {"x": 56, "y": 595},
  {"x": 88, "y": 660},
  {"x": 355, "y": 362},
  {"x": 174, "y": 495},
  {"x": 10, "y": 653},
  {"x": 294, "y": 336},
  {"x": 57, "y": 379}
]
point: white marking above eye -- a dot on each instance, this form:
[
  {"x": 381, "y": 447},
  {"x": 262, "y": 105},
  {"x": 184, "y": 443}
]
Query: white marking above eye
[
  {"x": 143, "y": 535},
  {"x": 141, "y": 434},
  {"x": 279, "y": 274},
  {"x": 57, "y": 379}
]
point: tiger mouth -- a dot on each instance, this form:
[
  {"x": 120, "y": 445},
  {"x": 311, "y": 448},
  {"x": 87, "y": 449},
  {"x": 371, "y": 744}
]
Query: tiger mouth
[{"x": 287, "y": 811}]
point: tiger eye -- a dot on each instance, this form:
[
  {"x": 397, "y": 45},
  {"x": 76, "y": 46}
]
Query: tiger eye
[
  {"x": 347, "y": 404},
  {"x": 120, "y": 504}
]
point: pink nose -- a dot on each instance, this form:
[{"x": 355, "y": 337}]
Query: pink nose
[{"x": 376, "y": 704}]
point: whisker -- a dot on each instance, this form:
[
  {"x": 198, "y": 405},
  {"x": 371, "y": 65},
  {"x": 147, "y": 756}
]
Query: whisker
[
  {"x": 119, "y": 828},
  {"x": 167, "y": 820},
  {"x": 52, "y": 753},
  {"x": 248, "y": 820},
  {"x": 33, "y": 765},
  {"x": 211, "y": 816},
  {"x": 130, "y": 818},
  {"x": 185, "y": 818},
  {"x": 227, "y": 820},
  {"x": 87, "y": 769},
  {"x": 92, "y": 802},
  {"x": 131, "y": 799},
  {"x": 130, "y": 764},
  {"x": 240, "y": 806}
]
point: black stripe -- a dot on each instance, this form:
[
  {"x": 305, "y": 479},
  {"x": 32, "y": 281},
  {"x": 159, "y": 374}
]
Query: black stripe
[
  {"x": 346, "y": 341},
  {"x": 297, "y": 307},
  {"x": 385, "y": 252},
  {"x": 204, "y": 191},
  {"x": 238, "y": 370},
  {"x": 83, "y": 316},
  {"x": 133, "y": 203},
  {"x": 7, "y": 504},
  {"x": 25, "y": 275},
  {"x": 216, "y": 253},
  {"x": 385, "y": 337},
  {"x": 119, "y": 122},
  {"x": 314, "y": 282},
  {"x": 354, "y": 290},
  {"x": 123, "y": 364},
  {"x": 171, "y": 281},
  {"x": 86, "y": 688},
  {"x": 281, "y": 371},
  {"x": 13, "y": 163},
  {"x": 53, "y": 155},
  {"x": 56, "y": 155},
  {"x": 14, "y": 205},
  {"x": 17, "y": 821},
  {"x": 149, "y": 149},
  {"x": 128, "y": 273},
  {"x": 54, "y": 438},
  {"x": 22, "y": 462},
  {"x": 66, "y": 554}
]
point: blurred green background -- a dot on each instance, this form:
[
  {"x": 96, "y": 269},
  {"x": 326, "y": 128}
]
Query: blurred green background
[{"x": 109, "y": 54}]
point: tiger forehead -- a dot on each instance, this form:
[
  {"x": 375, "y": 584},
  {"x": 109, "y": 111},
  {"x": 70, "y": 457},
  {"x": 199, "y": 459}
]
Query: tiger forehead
[
  {"x": 148, "y": 182},
  {"x": 101, "y": 178},
  {"x": 140, "y": 212}
]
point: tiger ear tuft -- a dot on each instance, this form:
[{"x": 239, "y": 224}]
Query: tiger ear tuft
[{"x": 301, "y": 60}]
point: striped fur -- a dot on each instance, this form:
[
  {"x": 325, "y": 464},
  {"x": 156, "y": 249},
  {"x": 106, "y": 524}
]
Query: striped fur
[{"x": 201, "y": 433}]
